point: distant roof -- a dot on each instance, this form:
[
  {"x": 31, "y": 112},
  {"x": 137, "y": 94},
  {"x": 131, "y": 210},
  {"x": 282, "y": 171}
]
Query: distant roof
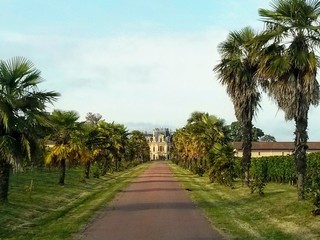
[
  {"x": 164, "y": 131},
  {"x": 289, "y": 146}
]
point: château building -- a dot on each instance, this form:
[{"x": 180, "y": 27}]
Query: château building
[
  {"x": 160, "y": 142},
  {"x": 266, "y": 149}
]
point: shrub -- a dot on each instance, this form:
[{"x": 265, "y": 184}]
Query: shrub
[
  {"x": 200, "y": 170},
  {"x": 259, "y": 173},
  {"x": 221, "y": 164},
  {"x": 95, "y": 170},
  {"x": 281, "y": 169},
  {"x": 312, "y": 181}
]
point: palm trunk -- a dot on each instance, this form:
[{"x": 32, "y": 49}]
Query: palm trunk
[
  {"x": 4, "y": 180},
  {"x": 301, "y": 137},
  {"x": 87, "y": 169},
  {"x": 116, "y": 164},
  {"x": 246, "y": 149},
  {"x": 63, "y": 171},
  {"x": 104, "y": 167}
]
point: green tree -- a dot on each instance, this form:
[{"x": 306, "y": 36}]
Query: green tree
[
  {"x": 119, "y": 142},
  {"x": 289, "y": 63},
  {"x": 65, "y": 125},
  {"x": 257, "y": 133},
  {"x": 93, "y": 118},
  {"x": 267, "y": 138},
  {"x": 193, "y": 143},
  {"x": 237, "y": 70},
  {"x": 116, "y": 136},
  {"x": 92, "y": 140},
  {"x": 138, "y": 146},
  {"x": 89, "y": 143},
  {"x": 236, "y": 132},
  {"x": 22, "y": 109}
]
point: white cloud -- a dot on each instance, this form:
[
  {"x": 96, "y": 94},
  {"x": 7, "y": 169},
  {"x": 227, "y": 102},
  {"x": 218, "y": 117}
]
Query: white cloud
[
  {"x": 152, "y": 80},
  {"x": 158, "y": 79}
]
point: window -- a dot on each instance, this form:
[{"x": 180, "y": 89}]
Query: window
[{"x": 154, "y": 149}]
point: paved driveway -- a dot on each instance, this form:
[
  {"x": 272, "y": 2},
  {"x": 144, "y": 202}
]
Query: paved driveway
[{"x": 153, "y": 207}]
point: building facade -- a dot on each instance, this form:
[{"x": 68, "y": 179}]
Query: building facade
[
  {"x": 266, "y": 149},
  {"x": 160, "y": 142}
]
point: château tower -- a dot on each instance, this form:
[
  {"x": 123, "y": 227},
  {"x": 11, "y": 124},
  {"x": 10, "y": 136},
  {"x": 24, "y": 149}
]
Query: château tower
[{"x": 160, "y": 143}]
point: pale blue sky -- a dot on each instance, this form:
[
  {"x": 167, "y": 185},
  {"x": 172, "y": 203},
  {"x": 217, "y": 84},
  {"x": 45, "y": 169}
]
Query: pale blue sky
[
  {"x": 99, "y": 18},
  {"x": 144, "y": 63}
]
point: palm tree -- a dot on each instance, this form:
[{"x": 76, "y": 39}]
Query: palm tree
[
  {"x": 22, "y": 109},
  {"x": 138, "y": 147},
  {"x": 92, "y": 143},
  {"x": 237, "y": 70},
  {"x": 65, "y": 124},
  {"x": 118, "y": 140},
  {"x": 115, "y": 137},
  {"x": 290, "y": 63},
  {"x": 192, "y": 143}
]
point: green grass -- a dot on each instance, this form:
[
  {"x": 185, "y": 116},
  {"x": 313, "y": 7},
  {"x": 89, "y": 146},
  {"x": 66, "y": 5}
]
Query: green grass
[
  {"x": 50, "y": 211},
  {"x": 241, "y": 215}
]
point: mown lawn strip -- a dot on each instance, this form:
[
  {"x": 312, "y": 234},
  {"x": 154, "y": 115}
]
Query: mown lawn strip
[
  {"x": 51, "y": 211},
  {"x": 241, "y": 215}
]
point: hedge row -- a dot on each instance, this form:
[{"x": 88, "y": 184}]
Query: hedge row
[
  {"x": 278, "y": 169},
  {"x": 281, "y": 169}
]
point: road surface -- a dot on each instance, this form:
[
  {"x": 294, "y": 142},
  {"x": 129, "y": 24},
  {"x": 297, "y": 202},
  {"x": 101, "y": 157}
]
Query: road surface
[{"x": 153, "y": 207}]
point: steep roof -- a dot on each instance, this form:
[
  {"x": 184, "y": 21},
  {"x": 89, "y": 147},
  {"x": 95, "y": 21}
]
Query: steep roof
[
  {"x": 164, "y": 131},
  {"x": 288, "y": 146}
]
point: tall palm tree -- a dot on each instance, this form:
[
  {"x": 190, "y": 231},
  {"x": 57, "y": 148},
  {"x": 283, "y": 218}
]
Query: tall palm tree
[
  {"x": 237, "y": 70},
  {"x": 119, "y": 139},
  {"x": 65, "y": 124},
  {"x": 92, "y": 144},
  {"x": 22, "y": 109},
  {"x": 138, "y": 146},
  {"x": 290, "y": 63},
  {"x": 116, "y": 138},
  {"x": 192, "y": 143}
]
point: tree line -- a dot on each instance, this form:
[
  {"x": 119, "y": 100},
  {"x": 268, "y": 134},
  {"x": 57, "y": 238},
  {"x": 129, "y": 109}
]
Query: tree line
[
  {"x": 203, "y": 145},
  {"x": 280, "y": 60},
  {"x": 29, "y": 134},
  {"x": 257, "y": 134}
]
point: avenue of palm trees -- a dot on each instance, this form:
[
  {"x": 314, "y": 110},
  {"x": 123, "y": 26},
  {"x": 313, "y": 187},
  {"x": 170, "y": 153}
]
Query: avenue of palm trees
[
  {"x": 26, "y": 129},
  {"x": 282, "y": 61}
]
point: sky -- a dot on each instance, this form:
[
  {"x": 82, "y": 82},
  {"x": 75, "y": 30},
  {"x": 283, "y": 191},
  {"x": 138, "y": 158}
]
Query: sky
[{"x": 141, "y": 63}]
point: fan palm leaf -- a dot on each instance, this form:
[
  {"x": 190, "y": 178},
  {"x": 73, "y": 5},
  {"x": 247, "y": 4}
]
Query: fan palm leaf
[
  {"x": 289, "y": 64},
  {"x": 237, "y": 71},
  {"x": 22, "y": 111}
]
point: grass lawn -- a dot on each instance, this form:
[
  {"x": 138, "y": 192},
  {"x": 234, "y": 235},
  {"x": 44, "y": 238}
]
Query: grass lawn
[
  {"x": 51, "y": 211},
  {"x": 241, "y": 215}
]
